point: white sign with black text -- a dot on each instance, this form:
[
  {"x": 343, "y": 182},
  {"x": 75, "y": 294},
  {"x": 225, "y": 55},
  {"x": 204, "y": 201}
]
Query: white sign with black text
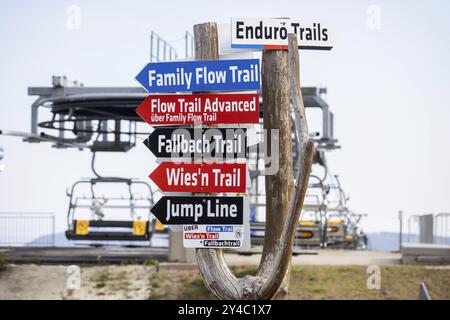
[
  {"x": 219, "y": 236},
  {"x": 273, "y": 34}
]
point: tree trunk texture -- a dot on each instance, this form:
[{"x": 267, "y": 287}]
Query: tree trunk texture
[
  {"x": 281, "y": 83},
  {"x": 276, "y": 91}
]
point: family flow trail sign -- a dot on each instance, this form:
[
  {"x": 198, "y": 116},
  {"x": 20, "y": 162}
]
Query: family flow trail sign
[
  {"x": 199, "y": 210},
  {"x": 205, "y": 75},
  {"x": 187, "y": 143},
  {"x": 273, "y": 34},
  {"x": 200, "y": 177},
  {"x": 189, "y": 109}
]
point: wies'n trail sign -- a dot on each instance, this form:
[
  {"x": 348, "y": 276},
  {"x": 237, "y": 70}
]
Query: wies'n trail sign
[
  {"x": 273, "y": 34},
  {"x": 205, "y": 75},
  {"x": 190, "y": 143},
  {"x": 200, "y": 177},
  {"x": 199, "y": 210},
  {"x": 200, "y": 108}
]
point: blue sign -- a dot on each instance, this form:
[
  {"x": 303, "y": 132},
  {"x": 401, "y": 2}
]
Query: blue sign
[
  {"x": 203, "y": 75},
  {"x": 219, "y": 228}
]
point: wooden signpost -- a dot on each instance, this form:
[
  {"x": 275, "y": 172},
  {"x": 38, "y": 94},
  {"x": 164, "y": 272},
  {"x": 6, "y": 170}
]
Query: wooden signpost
[
  {"x": 281, "y": 87},
  {"x": 212, "y": 222}
]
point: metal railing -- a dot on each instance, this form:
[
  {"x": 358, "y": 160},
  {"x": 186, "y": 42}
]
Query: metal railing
[
  {"x": 28, "y": 229},
  {"x": 440, "y": 228},
  {"x": 441, "y": 231},
  {"x": 413, "y": 228},
  {"x": 161, "y": 50}
]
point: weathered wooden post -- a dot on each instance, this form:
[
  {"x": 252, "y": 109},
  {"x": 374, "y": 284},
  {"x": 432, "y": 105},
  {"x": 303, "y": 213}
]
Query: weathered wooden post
[
  {"x": 276, "y": 92},
  {"x": 281, "y": 84}
]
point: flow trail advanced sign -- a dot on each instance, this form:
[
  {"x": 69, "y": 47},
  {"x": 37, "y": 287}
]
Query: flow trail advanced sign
[
  {"x": 200, "y": 177},
  {"x": 273, "y": 34},
  {"x": 205, "y": 75},
  {"x": 199, "y": 210},
  {"x": 190, "y": 143},
  {"x": 188, "y": 109}
]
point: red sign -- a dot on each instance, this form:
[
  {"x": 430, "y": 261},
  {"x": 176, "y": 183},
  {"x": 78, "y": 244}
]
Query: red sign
[
  {"x": 202, "y": 236},
  {"x": 200, "y": 177},
  {"x": 177, "y": 109}
]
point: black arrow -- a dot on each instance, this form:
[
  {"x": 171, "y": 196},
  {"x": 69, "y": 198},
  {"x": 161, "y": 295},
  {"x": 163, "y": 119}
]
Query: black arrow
[
  {"x": 199, "y": 210},
  {"x": 207, "y": 143}
]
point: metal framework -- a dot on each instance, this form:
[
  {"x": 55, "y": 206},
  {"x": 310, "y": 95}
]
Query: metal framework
[
  {"x": 104, "y": 119},
  {"x": 160, "y": 49}
]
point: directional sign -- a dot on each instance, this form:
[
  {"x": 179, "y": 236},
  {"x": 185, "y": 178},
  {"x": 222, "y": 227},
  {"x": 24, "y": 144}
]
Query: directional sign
[
  {"x": 213, "y": 143},
  {"x": 199, "y": 210},
  {"x": 200, "y": 108},
  {"x": 204, "y": 75},
  {"x": 200, "y": 177},
  {"x": 273, "y": 34},
  {"x": 213, "y": 236}
]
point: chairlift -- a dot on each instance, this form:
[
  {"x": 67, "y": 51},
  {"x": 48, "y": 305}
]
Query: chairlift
[{"x": 95, "y": 224}]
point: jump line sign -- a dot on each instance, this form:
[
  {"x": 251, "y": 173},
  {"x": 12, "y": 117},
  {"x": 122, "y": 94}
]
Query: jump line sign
[
  {"x": 200, "y": 177},
  {"x": 199, "y": 210},
  {"x": 204, "y": 75},
  {"x": 190, "y": 143},
  {"x": 188, "y": 109},
  {"x": 273, "y": 34}
]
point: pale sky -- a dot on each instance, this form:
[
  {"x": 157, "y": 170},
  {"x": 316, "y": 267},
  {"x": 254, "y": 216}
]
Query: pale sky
[{"x": 387, "y": 87}]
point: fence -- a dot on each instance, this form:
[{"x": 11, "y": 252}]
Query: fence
[
  {"x": 429, "y": 228},
  {"x": 27, "y": 229},
  {"x": 441, "y": 229}
]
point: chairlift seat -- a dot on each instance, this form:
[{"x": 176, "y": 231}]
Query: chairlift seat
[{"x": 138, "y": 230}]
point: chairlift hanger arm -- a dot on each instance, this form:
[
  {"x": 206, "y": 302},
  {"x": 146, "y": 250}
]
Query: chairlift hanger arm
[{"x": 43, "y": 137}]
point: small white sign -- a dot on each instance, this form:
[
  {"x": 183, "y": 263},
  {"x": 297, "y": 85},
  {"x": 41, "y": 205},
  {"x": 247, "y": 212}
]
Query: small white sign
[
  {"x": 273, "y": 34},
  {"x": 219, "y": 236},
  {"x": 213, "y": 236}
]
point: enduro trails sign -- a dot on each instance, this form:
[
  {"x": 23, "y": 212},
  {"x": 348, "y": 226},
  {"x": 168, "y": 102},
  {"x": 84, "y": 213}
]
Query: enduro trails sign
[
  {"x": 200, "y": 177},
  {"x": 205, "y": 75},
  {"x": 189, "y": 109},
  {"x": 273, "y": 34},
  {"x": 190, "y": 143}
]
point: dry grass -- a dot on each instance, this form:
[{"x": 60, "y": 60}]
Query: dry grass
[
  {"x": 321, "y": 282},
  {"x": 349, "y": 282}
]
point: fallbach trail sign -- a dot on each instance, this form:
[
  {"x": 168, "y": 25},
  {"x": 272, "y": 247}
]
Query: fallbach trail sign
[
  {"x": 188, "y": 109},
  {"x": 205, "y": 75},
  {"x": 273, "y": 34},
  {"x": 200, "y": 177},
  {"x": 199, "y": 210},
  {"x": 187, "y": 143}
]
